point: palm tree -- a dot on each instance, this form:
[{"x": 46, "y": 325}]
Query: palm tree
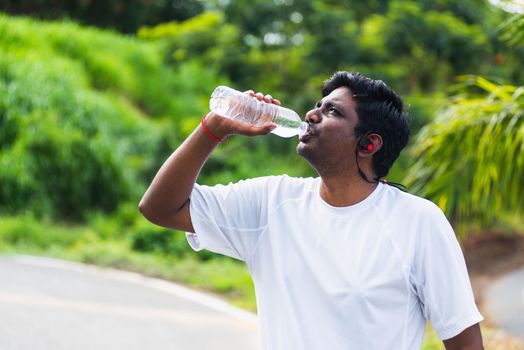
[{"x": 470, "y": 159}]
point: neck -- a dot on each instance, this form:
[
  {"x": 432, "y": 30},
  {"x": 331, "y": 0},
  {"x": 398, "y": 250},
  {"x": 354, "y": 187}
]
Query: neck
[{"x": 345, "y": 191}]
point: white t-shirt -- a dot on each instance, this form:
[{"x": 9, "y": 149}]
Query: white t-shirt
[{"x": 366, "y": 276}]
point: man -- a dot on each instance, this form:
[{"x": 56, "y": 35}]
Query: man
[{"x": 341, "y": 261}]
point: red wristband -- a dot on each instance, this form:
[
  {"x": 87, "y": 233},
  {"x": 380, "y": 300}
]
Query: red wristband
[{"x": 206, "y": 130}]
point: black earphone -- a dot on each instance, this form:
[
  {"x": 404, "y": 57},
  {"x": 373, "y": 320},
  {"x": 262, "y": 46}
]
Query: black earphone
[{"x": 365, "y": 143}]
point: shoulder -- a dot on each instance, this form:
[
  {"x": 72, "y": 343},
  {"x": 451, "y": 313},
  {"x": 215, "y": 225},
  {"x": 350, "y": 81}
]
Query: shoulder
[
  {"x": 416, "y": 224},
  {"x": 413, "y": 219},
  {"x": 397, "y": 203}
]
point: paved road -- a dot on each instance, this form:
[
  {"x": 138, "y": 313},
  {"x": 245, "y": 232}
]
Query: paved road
[
  {"x": 505, "y": 302},
  {"x": 49, "y": 304}
]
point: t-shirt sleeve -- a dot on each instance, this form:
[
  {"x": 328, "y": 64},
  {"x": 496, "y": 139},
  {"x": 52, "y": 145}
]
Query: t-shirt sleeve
[
  {"x": 440, "y": 277},
  {"x": 229, "y": 219}
]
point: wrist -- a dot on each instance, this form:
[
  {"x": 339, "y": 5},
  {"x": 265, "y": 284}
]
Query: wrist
[{"x": 212, "y": 124}]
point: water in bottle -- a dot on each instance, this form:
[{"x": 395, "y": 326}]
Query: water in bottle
[{"x": 237, "y": 105}]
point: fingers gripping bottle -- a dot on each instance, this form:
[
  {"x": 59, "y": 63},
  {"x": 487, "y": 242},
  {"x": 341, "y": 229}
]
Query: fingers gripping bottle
[{"x": 237, "y": 105}]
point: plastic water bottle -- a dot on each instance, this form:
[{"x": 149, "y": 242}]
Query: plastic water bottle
[{"x": 237, "y": 105}]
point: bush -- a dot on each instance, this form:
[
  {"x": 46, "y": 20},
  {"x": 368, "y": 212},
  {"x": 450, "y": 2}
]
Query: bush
[
  {"x": 148, "y": 238},
  {"x": 74, "y": 136},
  {"x": 153, "y": 239},
  {"x": 27, "y": 233}
]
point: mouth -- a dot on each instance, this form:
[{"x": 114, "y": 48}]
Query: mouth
[{"x": 307, "y": 135}]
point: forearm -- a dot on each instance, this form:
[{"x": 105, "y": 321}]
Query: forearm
[{"x": 173, "y": 183}]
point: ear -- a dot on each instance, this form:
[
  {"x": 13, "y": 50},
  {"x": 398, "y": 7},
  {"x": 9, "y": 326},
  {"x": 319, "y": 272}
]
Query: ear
[{"x": 370, "y": 144}]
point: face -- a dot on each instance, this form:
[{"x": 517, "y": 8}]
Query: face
[{"x": 329, "y": 143}]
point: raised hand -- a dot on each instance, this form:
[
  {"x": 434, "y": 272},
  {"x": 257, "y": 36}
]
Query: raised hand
[{"x": 223, "y": 127}]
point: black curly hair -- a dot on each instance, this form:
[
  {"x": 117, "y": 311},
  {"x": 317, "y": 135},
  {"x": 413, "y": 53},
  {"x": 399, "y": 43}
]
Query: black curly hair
[{"x": 380, "y": 110}]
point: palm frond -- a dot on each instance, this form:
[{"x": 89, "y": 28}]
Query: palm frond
[
  {"x": 470, "y": 160},
  {"x": 512, "y": 30}
]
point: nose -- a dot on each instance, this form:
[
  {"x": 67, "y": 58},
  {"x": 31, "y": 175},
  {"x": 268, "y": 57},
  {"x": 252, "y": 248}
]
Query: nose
[{"x": 313, "y": 116}]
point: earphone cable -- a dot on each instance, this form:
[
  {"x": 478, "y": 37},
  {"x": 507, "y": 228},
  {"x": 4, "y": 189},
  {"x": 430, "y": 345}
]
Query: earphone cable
[{"x": 384, "y": 181}]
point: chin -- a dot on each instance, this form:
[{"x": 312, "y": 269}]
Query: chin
[
  {"x": 301, "y": 149},
  {"x": 307, "y": 153}
]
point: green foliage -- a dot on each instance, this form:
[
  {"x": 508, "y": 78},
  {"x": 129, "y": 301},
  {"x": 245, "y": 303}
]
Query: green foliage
[
  {"x": 151, "y": 239},
  {"x": 68, "y": 142},
  {"x": 468, "y": 11},
  {"x": 422, "y": 109},
  {"x": 113, "y": 109},
  {"x": 260, "y": 17},
  {"x": 335, "y": 41},
  {"x": 194, "y": 37},
  {"x": 125, "y": 16},
  {"x": 58, "y": 159},
  {"x": 433, "y": 40},
  {"x": 29, "y": 233},
  {"x": 513, "y": 30},
  {"x": 142, "y": 237},
  {"x": 91, "y": 250},
  {"x": 470, "y": 159},
  {"x": 414, "y": 46},
  {"x": 73, "y": 173}
]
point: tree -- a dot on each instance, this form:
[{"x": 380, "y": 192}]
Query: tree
[{"x": 125, "y": 16}]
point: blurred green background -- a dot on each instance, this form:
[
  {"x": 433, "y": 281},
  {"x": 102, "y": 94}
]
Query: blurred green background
[{"x": 95, "y": 95}]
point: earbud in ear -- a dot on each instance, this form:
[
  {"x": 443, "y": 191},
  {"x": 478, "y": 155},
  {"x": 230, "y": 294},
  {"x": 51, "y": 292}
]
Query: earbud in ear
[{"x": 366, "y": 144}]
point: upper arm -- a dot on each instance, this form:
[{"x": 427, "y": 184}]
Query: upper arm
[
  {"x": 229, "y": 219},
  {"x": 470, "y": 339}
]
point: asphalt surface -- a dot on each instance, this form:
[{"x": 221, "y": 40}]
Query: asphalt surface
[
  {"x": 49, "y": 304},
  {"x": 505, "y": 302}
]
